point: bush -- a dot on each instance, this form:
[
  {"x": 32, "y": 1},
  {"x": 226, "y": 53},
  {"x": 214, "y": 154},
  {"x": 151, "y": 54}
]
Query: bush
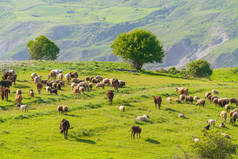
[
  {"x": 199, "y": 68},
  {"x": 214, "y": 145},
  {"x": 172, "y": 70}
]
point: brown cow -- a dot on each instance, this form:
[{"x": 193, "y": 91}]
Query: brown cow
[
  {"x": 64, "y": 126},
  {"x": 110, "y": 95},
  {"x": 157, "y": 101},
  {"x": 135, "y": 130}
]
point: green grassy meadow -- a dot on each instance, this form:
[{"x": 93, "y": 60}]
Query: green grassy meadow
[{"x": 100, "y": 130}]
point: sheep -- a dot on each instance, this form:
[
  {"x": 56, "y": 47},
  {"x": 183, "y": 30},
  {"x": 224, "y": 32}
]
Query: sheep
[
  {"x": 222, "y": 125},
  {"x": 196, "y": 140},
  {"x": 100, "y": 85},
  {"x": 195, "y": 98},
  {"x": 135, "y": 130},
  {"x": 64, "y": 126},
  {"x": 76, "y": 92},
  {"x": 209, "y": 98},
  {"x": 213, "y": 97},
  {"x": 177, "y": 100},
  {"x": 223, "y": 115},
  {"x": 207, "y": 94},
  {"x": 31, "y": 92},
  {"x": 52, "y": 74},
  {"x": 62, "y": 109},
  {"x": 234, "y": 100},
  {"x": 74, "y": 74},
  {"x": 60, "y": 76},
  {"x": 37, "y": 79},
  {"x": 100, "y": 78},
  {"x": 67, "y": 76},
  {"x": 233, "y": 111},
  {"x": 115, "y": 84},
  {"x": 223, "y": 101},
  {"x": 157, "y": 101},
  {"x": 81, "y": 89},
  {"x": 182, "y": 91},
  {"x": 33, "y": 75},
  {"x": 227, "y": 107},
  {"x": 106, "y": 81},
  {"x": 90, "y": 86},
  {"x": 88, "y": 79},
  {"x": 73, "y": 85},
  {"x": 18, "y": 99},
  {"x": 201, "y": 102},
  {"x": 23, "y": 107},
  {"x": 18, "y": 92},
  {"x": 189, "y": 99},
  {"x": 77, "y": 80},
  {"x": 225, "y": 135},
  {"x": 142, "y": 118},
  {"x": 110, "y": 95},
  {"x": 169, "y": 99},
  {"x": 55, "y": 91},
  {"x": 121, "y": 83},
  {"x": 122, "y": 108},
  {"x": 182, "y": 97},
  {"x": 211, "y": 122},
  {"x": 181, "y": 115},
  {"x": 233, "y": 117},
  {"x": 4, "y": 93},
  {"x": 39, "y": 87},
  {"x": 215, "y": 100},
  {"x": 215, "y": 91}
]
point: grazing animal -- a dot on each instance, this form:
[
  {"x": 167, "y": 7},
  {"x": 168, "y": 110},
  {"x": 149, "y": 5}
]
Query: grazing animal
[
  {"x": 225, "y": 135},
  {"x": 62, "y": 109},
  {"x": 201, "y": 102},
  {"x": 74, "y": 74},
  {"x": 234, "y": 100},
  {"x": 182, "y": 91},
  {"x": 122, "y": 84},
  {"x": 207, "y": 94},
  {"x": 60, "y": 76},
  {"x": 115, "y": 84},
  {"x": 169, "y": 99},
  {"x": 23, "y": 108},
  {"x": 157, "y": 101},
  {"x": 222, "y": 125},
  {"x": 106, "y": 81},
  {"x": 90, "y": 86},
  {"x": 100, "y": 78},
  {"x": 73, "y": 85},
  {"x": 189, "y": 99},
  {"x": 37, "y": 79},
  {"x": 195, "y": 98},
  {"x": 64, "y": 127},
  {"x": 18, "y": 99},
  {"x": 215, "y": 91},
  {"x": 81, "y": 89},
  {"x": 12, "y": 78},
  {"x": 234, "y": 117},
  {"x": 67, "y": 77},
  {"x": 39, "y": 87},
  {"x": 211, "y": 122},
  {"x": 223, "y": 115},
  {"x": 215, "y": 100},
  {"x": 122, "y": 108},
  {"x": 135, "y": 130},
  {"x": 18, "y": 91},
  {"x": 110, "y": 95},
  {"x": 142, "y": 118},
  {"x": 4, "y": 93},
  {"x": 177, "y": 100},
  {"x": 213, "y": 97},
  {"x": 196, "y": 140},
  {"x": 100, "y": 85},
  {"x": 76, "y": 92},
  {"x": 31, "y": 92},
  {"x": 227, "y": 107},
  {"x": 182, "y": 97},
  {"x": 55, "y": 91},
  {"x": 52, "y": 75},
  {"x": 33, "y": 75},
  {"x": 181, "y": 115},
  {"x": 223, "y": 101}
]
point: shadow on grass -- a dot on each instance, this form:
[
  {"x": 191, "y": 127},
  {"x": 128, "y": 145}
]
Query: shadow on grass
[
  {"x": 152, "y": 141},
  {"x": 72, "y": 115},
  {"x": 76, "y": 138},
  {"x": 21, "y": 86},
  {"x": 170, "y": 110}
]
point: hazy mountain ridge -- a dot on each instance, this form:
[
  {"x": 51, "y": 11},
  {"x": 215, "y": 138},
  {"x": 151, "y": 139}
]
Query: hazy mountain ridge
[{"x": 84, "y": 29}]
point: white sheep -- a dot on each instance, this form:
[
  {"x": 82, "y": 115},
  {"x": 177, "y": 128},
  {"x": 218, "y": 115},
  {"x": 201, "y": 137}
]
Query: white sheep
[
  {"x": 211, "y": 122},
  {"x": 23, "y": 107},
  {"x": 122, "y": 108},
  {"x": 169, "y": 99},
  {"x": 142, "y": 118},
  {"x": 73, "y": 85}
]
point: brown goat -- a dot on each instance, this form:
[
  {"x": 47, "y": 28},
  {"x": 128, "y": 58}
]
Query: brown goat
[
  {"x": 157, "y": 101},
  {"x": 39, "y": 87},
  {"x": 18, "y": 99},
  {"x": 110, "y": 95}
]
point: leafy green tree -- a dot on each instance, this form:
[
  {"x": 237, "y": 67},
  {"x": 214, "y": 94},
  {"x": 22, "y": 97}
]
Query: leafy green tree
[
  {"x": 172, "y": 70},
  {"x": 214, "y": 145},
  {"x": 138, "y": 47},
  {"x": 199, "y": 68},
  {"x": 42, "y": 49}
]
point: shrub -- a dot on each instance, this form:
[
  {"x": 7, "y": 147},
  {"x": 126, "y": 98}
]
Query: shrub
[
  {"x": 172, "y": 70},
  {"x": 199, "y": 68},
  {"x": 214, "y": 145}
]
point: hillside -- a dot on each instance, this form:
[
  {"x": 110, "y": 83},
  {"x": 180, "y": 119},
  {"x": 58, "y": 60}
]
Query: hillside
[
  {"x": 84, "y": 29},
  {"x": 100, "y": 130}
]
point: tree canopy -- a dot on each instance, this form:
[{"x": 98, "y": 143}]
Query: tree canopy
[
  {"x": 42, "y": 49},
  {"x": 138, "y": 47},
  {"x": 199, "y": 68}
]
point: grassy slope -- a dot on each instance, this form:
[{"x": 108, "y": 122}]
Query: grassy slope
[{"x": 101, "y": 130}]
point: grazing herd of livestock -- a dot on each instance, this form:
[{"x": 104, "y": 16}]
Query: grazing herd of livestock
[{"x": 55, "y": 82}]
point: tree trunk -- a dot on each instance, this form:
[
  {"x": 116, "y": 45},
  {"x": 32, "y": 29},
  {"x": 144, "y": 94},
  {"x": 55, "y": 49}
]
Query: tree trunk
[{"x": 137, "y": 66}]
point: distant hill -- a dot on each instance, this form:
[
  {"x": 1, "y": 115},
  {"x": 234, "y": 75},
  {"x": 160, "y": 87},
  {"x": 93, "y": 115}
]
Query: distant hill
[{"x": 84, "y": 29}]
